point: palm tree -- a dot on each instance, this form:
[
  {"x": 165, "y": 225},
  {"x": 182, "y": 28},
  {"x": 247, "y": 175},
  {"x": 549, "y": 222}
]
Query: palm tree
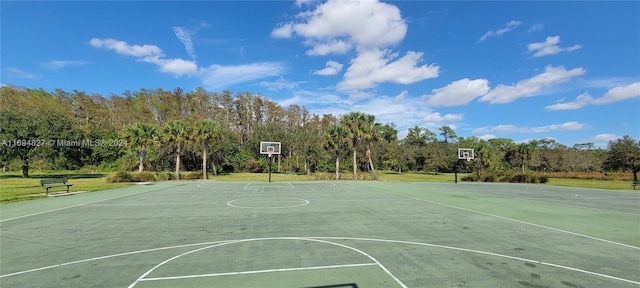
[
  {"x": 525, "y": 152},
  {"x": 177, "y": 134},
  {"x": 141, "y": 136},
  {"x": 483, "y": 155},
  {"x": 203, "y": 133},
  {"x": 360, "y": 127},
  {"x": 336, "y": 140}
]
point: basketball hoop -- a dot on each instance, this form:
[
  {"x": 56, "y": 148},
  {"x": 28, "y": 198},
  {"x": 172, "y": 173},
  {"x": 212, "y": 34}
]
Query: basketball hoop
[
  {"x": 467, "y": 156},
  {"x": 270, "y": 150}
]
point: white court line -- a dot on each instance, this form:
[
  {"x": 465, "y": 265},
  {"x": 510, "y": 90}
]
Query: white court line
[
  {"x": 262, "y": 239},
  {"x": 514, "y": 220},
  {"x": 488, "y": 253},
  {"x": 259, "y": 271},
  {"x": 296, "y": 200},
  {"x": 369, "y": 256},
  {"x": 77, "y": 205},
  {"x": 540, "y": 200},
  {"x": 109, "y": 256},
  {"x": 219, "y": 243},
  {"x": 291, "y": 185},
  {"x": 245, "y": 187}
]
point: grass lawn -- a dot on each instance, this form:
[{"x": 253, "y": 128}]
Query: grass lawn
[
  {"x": 14, "y": 188},
  {"x": 592, "y": 183}
]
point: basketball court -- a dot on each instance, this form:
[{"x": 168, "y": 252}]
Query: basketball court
[{"x": 324, "y": 234}]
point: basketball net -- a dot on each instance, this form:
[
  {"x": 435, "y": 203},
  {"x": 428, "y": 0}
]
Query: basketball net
[{"x": 270, "y": 151}]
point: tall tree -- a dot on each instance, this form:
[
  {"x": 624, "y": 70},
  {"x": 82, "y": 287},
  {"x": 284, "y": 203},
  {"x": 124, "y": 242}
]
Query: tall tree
[
  {"x": 360, "y": 127},
  {"x": 624, "y": 154},
  {"x": 141, "y": 137},
  {"x": 525, "y": 152},
  {"x": 336, "y": 141},
  {"x": 447, "y": 133},
  {"x": 203, "y": 133},
  {"x": 177, "y": 134}
]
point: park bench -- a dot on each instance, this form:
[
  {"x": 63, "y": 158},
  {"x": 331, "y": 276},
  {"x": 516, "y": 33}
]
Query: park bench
[
  {"x": 54, "y": 182},
  {"x": 634, "y": 184}
]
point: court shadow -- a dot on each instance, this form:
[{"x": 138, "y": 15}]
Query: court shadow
[{"x": 349, "y": 285}]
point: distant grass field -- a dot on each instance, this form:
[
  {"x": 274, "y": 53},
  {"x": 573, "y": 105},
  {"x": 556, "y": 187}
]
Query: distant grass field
[{"x": 14, "y": 188}]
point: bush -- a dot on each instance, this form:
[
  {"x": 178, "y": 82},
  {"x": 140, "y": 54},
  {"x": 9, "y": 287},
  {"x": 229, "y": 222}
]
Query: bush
[
  {"x": 519, "y": 178},
  {"x": 144, "y": 176},
  {"x": 469, "y": 178},
  {"x": 489, "y": 178},
  {"x": 252, "y": 166},
  {"x": 165, "y": 176},
  {"x": 543, "y": 179},
  {"x": 191, "y": 175},
  {"x": 120, "y": 176},
  {"x": 346, "y": 175}
]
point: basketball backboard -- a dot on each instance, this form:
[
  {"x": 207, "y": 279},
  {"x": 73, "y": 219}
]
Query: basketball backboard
[
  {"x": 465, "y": 154},
  {"x": 272, "y": 148}
]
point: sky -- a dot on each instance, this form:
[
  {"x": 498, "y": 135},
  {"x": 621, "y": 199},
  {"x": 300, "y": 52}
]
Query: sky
[{"x": 568, "y": 71}]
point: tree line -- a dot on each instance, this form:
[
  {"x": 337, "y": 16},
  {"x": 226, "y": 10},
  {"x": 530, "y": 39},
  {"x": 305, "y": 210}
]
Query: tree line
[{"x": 219, "y": 132}]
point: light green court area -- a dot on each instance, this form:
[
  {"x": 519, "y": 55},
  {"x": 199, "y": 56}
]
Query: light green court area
[{"x": 324, "y": 234}]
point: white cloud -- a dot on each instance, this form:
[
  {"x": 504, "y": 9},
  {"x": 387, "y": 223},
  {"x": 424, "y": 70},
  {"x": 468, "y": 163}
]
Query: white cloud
[
  {"x": 177, "y": 66},
  {"x": 550, "y": 47},
  {"x": 615, "y": 94},
  {"x": 401, "y": 96},
  {"x": 366, "y": 24},
  {"x": 217, "y": 76},
  {"x": 58, "y": 64},
  {"x": 332, "y": 47},
  {"x": 509, "y": 128},
  {"x": 602, "y": 140},
  {"x": 284, "y": 30},
  {"x": 150, "y": 54},
  {"x": 369, "y": 28},
  {"x": 535, "y": 27},
  {"x": 509, "y": 26},
  {"x": 581, "y": 101},
  {"x": 458, "y": 93},
  {"x": 332, "y": 68},
  {"x": 17, "y": 73},
  {"x": 437, "y": 119},
  {"x": 619, "y": 93},
  {"x": 534, "y": 86},
  {"x": 567, "y": 126},
  {"x": 121, "y": 47},
  {"x": 185, "y": 37},
  {"x": 487, "y": 137},
  {"x": 502, "y": 128},
  {"x": 373, "y": 67},
  {"x": 279, "y": 84}
]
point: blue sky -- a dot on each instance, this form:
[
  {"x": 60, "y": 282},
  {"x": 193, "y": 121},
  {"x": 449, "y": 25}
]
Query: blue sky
[{"x": 505, "y": 69}]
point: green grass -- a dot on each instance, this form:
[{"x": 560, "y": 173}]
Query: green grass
[
  {"x": 592, "y": 183},
  {"x": 420, "y": 177},
  {"x": 14, "y": 188}
]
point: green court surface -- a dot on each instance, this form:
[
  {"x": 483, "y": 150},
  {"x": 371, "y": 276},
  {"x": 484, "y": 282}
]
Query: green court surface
[{"x": 324, "y": 234}]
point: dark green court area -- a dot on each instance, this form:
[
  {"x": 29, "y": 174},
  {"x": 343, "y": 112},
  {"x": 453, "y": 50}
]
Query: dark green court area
[{"x": 324, "y": 234}]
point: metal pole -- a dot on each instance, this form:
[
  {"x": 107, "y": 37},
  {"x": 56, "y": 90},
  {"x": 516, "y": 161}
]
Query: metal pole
[
  {"x": 455, "y": 171},
  {"x": 269, "y": 168}
]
